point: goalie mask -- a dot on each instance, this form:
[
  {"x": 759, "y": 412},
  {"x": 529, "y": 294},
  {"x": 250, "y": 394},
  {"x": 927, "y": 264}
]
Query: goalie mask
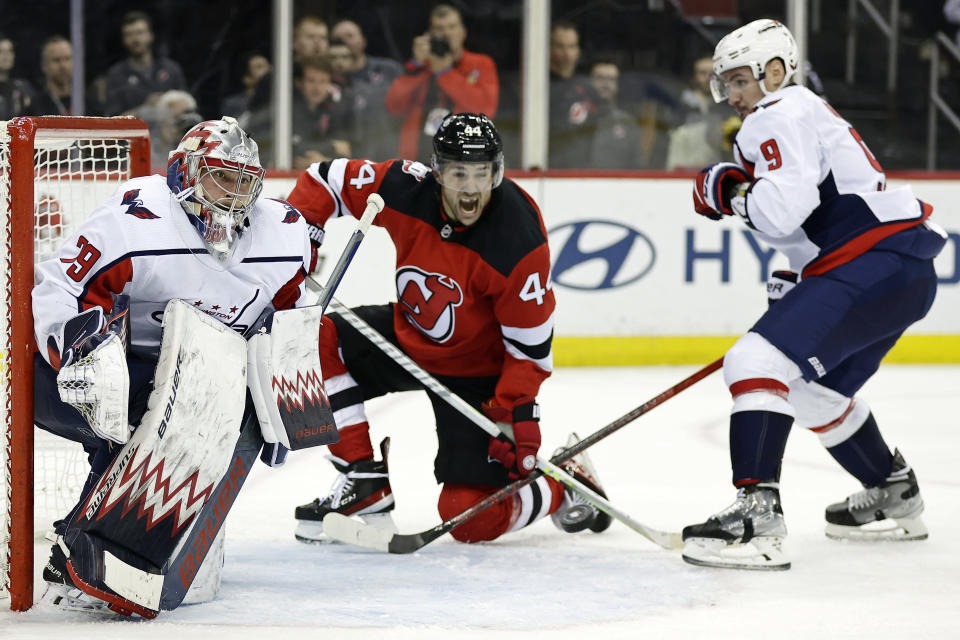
[
  {"x": 754, "y": 45},
  {"x": 216, "y": 175}
]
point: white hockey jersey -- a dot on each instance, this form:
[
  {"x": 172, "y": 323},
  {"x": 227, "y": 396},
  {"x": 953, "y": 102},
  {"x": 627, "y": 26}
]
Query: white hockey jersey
[
  {"x": 819, "y": 195},
  {"x": 140, "y": 242}
]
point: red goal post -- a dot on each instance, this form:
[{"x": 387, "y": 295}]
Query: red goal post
[{"x": 53, "y": 172}]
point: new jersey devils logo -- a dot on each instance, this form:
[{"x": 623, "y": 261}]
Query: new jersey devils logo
[{"x": 429, "y": 300}]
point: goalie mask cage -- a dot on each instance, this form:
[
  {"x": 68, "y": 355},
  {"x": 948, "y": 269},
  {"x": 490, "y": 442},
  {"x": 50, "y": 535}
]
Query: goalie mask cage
[{"x": 53, "y": 172}]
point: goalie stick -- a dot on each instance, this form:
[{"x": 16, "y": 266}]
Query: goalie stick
[
  {"x": 375, "y": 205},
  {"x": 359, "y": 533},
  {"x": 345, "y": 525}
]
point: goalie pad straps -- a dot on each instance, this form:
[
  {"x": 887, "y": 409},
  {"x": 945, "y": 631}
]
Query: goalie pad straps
[
  {"x": 286, "y": 382},
  {"x": 131, "y": 522}
]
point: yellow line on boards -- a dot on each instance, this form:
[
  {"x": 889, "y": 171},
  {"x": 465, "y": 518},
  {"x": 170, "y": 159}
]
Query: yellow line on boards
[{"x": 612, "y": 351}]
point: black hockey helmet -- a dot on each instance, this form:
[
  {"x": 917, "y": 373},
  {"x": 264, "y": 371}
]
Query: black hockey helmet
[{"x": 468, "y": 137}]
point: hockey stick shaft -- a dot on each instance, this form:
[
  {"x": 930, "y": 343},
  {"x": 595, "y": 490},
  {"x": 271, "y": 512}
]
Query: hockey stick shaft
[
  {"x": 666, "y": 540},
  {"x": 417, "y": 541},
  {"x": 374, "y": 206},
  {"x": 408, "y": 543}
]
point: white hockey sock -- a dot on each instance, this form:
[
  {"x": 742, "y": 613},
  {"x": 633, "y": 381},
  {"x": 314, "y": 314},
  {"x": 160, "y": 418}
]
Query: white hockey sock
[{"x": 535, "y": 500}]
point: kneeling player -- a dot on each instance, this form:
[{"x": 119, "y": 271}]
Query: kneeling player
[
  {"x": 162, "y": 415},
  {"x": 475, "y": 309}
]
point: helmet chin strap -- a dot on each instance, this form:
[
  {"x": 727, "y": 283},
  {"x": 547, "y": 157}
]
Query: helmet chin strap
[{"x": 183, "y": 195}]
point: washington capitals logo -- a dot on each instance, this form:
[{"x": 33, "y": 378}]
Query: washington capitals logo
[
  {"x": 148, "y": 489},
  {"x": 135, "y": 206},
  {"x": 291, "y": 214}
]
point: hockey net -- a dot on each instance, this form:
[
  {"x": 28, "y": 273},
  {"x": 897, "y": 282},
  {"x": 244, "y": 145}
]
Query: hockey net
[{"x": 53, "y": 172}]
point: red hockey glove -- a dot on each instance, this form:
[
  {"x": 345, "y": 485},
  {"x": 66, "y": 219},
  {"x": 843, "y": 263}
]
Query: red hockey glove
[
  {"x": 316, "y": 239},
  {"x": 714, "y": 188},
  {"x": 520, "y": 456},
  {"x": 779, "y": 284}
]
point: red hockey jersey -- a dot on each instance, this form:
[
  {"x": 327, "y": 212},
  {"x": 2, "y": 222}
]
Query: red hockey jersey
[{"x": 472, "y": 301}]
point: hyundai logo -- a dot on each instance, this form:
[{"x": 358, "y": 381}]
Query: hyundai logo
[{"x": 599, "y": 254}]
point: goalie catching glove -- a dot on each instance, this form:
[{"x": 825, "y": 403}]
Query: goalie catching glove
[
  {"x": 720, "y": 190},
  {"x": 519, "y": 456},
  {"x": 93, "y": 374}
]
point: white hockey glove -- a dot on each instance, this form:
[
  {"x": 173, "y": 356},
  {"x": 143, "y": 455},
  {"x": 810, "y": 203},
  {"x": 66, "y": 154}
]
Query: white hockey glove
[{"x": 93, "y": 373}]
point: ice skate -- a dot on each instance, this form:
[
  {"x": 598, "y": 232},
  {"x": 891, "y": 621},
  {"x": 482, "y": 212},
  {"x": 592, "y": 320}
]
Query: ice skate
[
  {"x": 575, "y": 513},
  {"x": 889, "y": 512},
  {"x": 62, "y": 593},
  {"x": 362, "y": 489},
  {"x": 746, "y": 535}
]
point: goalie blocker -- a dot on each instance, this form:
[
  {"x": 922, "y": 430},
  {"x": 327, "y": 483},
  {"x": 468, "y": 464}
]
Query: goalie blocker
[{"x": 141, "y": 533}]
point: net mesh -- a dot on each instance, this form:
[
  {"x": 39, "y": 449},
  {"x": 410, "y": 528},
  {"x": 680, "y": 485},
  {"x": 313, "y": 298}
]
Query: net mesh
[
  {"x": 72, "y": 175},
  {"x": 5, "y": 444}
]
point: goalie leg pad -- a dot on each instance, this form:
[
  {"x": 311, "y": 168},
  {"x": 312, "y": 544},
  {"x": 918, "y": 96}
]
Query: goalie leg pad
[
  {"x": 167, "y": 471},
  {"x": 286, "y": 382}
]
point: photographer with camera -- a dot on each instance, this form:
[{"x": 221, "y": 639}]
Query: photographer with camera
[{"x": 441, "y": 77}]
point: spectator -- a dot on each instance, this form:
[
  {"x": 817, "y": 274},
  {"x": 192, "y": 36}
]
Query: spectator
[
  {"x": 441, "y": 76},
  {"x": 321, "y": 120},
  {"x": 355, "y": 96},
  {"x": 173, "y": 114},
  {"x": 373, "y": 70},
  {"x": 573, "y": 101},
  {"x": 616, "y": 143},
  {"x": 369, "y": 79},
  {"x": 341, "y": 62},
  {"x": 951, "y": 12},
  {"x": 699, "y": 140},
  {"x": 255, "y": 65},
  {"x": 141, "y": 77},
  {"x": 56, "y": 63},
  {"x": 15, "y": 93},
  {"x": 311, "y": 39}
]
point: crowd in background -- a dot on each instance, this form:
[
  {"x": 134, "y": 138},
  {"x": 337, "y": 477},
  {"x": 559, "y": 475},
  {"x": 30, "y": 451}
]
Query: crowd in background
[{"x": 627, "y": 91}]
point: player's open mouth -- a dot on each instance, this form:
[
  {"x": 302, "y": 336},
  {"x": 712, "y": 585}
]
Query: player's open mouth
[{"x": 469, "y": 206}]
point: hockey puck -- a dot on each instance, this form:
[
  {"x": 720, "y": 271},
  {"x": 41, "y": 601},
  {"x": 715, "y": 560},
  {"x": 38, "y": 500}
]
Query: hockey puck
[{"x": 577, "y": 518}]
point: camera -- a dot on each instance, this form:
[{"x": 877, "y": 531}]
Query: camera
[{"x": 439, "y": 46}]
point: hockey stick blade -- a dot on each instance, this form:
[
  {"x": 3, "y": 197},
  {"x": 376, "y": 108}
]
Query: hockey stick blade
[{"x": 356, "y": 532}]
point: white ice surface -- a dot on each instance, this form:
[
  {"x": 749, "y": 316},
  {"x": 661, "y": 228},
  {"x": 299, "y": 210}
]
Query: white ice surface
[{"x": 667, "y": 469}]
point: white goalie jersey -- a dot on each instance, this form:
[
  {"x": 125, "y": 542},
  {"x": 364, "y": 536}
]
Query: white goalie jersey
[
  {"x": 141, "y": 243},
  {"x": 818, "y": 195}
]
